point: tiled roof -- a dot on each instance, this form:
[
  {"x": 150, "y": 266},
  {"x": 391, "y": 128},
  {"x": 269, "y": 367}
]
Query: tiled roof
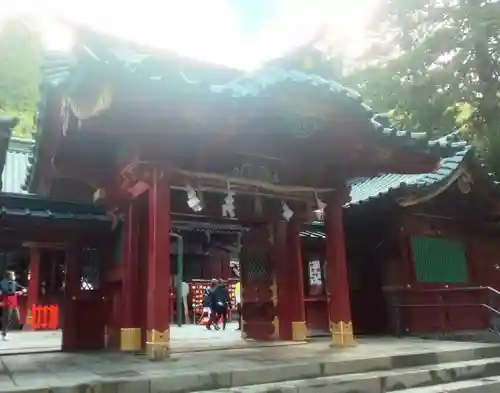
[
  {"x": 366, "y": 189},
  {"x": 32, "y": 206},
  {"x": 14, "y": 202},
  {"x": 6, "y": 126},
  {"x": 16, "y": 165},
  {"x": 190, "y": 78}
]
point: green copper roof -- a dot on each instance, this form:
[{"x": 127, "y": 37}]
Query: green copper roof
[
  {"x": 16, "y": 165},
  {"x": 365, "y": 189},
  {"x": 6, "y": 126},
  {"x": 390, "y": 184},
  {"x": 34, "y": 207}
]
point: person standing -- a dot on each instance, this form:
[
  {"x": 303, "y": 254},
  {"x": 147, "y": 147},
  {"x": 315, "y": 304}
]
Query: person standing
[
  {"x": 10, "y": 290},
  {"x": 207, "y": 305},
  {"x": 221, "y": 301}
]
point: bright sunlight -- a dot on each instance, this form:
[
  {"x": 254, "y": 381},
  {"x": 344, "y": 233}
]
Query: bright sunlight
[{"x": 239, "y": 33}]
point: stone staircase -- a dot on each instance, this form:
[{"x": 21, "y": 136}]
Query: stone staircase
[
  {"x": 478, "y": 336},
  {"x": 453, "y": 372}
]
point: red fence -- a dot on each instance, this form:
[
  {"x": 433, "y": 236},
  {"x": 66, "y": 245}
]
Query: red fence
[{"x": 44, "y": 317}]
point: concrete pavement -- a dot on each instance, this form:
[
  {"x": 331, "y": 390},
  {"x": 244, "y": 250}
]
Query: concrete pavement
[
  {"x": 208, "y": 370},
  {"x": 187, "y": 338}
]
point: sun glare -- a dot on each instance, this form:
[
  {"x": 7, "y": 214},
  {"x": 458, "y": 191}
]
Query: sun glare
[{"x": 209, "y": 30}]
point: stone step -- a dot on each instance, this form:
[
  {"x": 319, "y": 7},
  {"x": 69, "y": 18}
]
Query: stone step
[
  {"x": 482, "y": 385},
  {"x": 479, "y": 336},
  {"x": 269, "y": 371},
  {"x": 276, "y": 373},
  {"x": 404, "y": 380}
]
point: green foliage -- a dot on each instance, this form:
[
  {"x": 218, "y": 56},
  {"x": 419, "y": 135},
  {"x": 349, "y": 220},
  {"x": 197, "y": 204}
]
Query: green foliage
[
  {"x": 435, "y": 65},
  {"x": 20, "y": 62}
]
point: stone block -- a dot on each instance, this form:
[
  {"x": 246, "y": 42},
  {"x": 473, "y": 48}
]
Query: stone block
[
  {"x": 133, "y": 386},
  {"x": 190, "y": 382},
  {"x": 355, "y": 366},
  {"x": 327, "y": 385},
  {"x": 91, "y": 387},
  {"x": 275, "y": 374},
  {"x": 17, "y": 389}
]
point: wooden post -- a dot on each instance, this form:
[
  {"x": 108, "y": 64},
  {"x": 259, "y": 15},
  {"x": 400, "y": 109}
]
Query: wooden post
[
  {"x": 279, "y": 257},
  {"x": 339, "y": 305},
  {"x": 287, "y": 260},
  {"x": 158, "y": 292},
  {"x": 72, "y": 280},
  {"x": 33, "y": 284},
  {"x": 130, "y": 333},
  {"x": 296, "y": 282}
]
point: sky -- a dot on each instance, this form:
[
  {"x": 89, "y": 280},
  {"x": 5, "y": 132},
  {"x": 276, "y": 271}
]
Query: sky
[{"x": 239, "y": 33}]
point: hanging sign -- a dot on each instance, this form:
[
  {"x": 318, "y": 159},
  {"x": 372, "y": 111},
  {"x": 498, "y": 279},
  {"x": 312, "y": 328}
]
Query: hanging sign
[
  {"x": 256, "y": 172},
  {"x": 315, "y": 278}
]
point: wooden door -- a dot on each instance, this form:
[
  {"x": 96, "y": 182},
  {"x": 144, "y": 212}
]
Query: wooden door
[
  {"x": 258, "y": 285},
  {"x": 85, "y": 318}
]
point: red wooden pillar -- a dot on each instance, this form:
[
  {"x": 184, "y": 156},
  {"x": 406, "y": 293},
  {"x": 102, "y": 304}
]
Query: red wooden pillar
[
  {"x": 296, "y": 282},
  {"x": 158, "y": 306},
  {"x": 34, "y": 283},
  {"x": 339, "y": 306},
  {"x": 284, "y": 289},
  {"x": 287, "y": 262},
  {"x": 130, "y": 333},
  {"x": 72, "y": 287}
]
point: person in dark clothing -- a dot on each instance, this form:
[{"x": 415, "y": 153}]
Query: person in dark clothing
[
  {"x": 207, "y": 303},
  {"x": 10, "y": 290},
  {"x": 221, "y": 301}
]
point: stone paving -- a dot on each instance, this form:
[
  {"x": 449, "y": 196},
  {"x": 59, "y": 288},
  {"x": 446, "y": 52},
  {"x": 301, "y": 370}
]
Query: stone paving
[
  {"x": 121, "y": 373},
  {"x": 187, "y": 338}
]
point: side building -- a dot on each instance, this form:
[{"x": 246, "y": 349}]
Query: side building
[
  {"x": 38, "y": 236},
  {"x": 422, "y": 250}
]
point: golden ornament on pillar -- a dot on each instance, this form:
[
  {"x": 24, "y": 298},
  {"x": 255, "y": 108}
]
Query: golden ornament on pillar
[
  {"x": 299, "y": 331},
  {"x": 29, "y": 318},
  {"x": 130, "y": 339},
  {"x": 342, "y": 334},
  {"x": 276, "y": 328},
  {"x": 157, "y": 344}
]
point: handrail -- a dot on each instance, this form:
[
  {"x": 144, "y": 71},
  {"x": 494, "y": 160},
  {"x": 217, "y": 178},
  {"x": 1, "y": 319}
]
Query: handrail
[
  {"x": 452, "y": 289},
  {"x": 443, "y": 305},
  {"x": 452, "y": 305}
]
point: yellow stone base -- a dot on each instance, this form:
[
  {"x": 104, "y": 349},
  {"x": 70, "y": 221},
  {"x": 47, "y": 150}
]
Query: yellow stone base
[
  {"x": 158, "y": 344},
  {"x": 342, "y": 334},
  {"x": 299, "y": 331},
  {"x": 130, "y": 339}
]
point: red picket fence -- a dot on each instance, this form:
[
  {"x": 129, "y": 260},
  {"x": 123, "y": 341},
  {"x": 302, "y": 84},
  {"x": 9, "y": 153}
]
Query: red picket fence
[{"x": 44, "y": 317}]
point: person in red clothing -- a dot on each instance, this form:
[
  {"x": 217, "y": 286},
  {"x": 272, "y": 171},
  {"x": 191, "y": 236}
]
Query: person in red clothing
[{"x": 10, "y": 290}]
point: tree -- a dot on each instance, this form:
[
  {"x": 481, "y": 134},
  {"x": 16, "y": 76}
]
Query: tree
[
  {"x": 435, "y": 65},
  {"x": 20, "y": 63}
]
